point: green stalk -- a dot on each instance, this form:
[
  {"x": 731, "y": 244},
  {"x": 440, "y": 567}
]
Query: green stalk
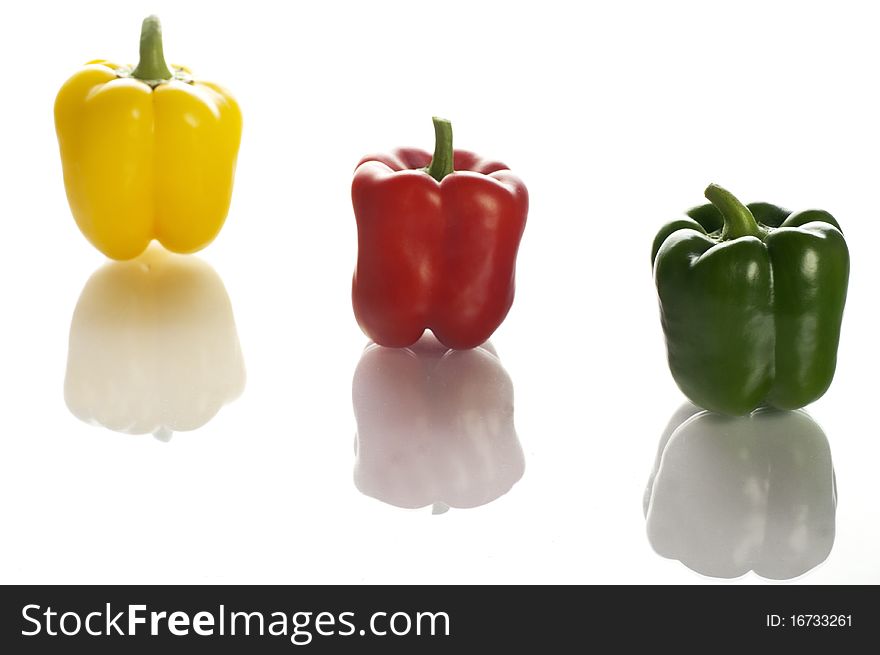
[
  {"x": 442, "y": 163},
  {"x": 152, "y": 66},
  {"x": 738, "y": 220}
]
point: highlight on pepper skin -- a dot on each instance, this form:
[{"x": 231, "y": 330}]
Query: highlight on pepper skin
[
  {"x": 437, "y": 244},
  {"x": 751, "y": 303},
  {"x": 434, "y": 426},
  {"x": 731, "y": 495},
  {"x": 148, "y": 152},
  {"x": 153, "y": 346}
]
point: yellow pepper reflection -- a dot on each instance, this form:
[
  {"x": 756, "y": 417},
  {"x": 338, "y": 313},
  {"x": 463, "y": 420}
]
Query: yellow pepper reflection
[{"x": 153, "y": 346}]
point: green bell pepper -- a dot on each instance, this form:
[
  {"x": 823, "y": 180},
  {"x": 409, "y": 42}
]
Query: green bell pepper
[{"x": 751, "y": 302}]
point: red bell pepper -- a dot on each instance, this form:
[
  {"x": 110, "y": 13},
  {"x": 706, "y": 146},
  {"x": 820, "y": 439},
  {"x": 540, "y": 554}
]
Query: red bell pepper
[{"x": 437, "y": 244}]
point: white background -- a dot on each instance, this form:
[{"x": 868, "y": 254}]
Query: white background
[{"x": 615, "y": 115}]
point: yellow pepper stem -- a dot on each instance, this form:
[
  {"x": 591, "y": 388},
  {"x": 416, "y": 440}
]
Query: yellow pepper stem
[{"x": 152, "y": 68}]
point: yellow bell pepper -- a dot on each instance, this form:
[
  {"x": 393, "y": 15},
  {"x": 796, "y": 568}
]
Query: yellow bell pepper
[{"x": 148, "y": 152}]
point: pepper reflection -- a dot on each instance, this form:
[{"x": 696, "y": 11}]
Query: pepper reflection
[
  {"x": 733, "y": 495},
  {"x": 153, "y": 346},
  {"x": 435, "y": 426}
]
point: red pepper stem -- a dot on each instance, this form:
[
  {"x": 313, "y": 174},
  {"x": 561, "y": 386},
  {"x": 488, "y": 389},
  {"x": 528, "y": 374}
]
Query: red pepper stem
[
  {"x": 442, "y": 164},
  {"x": 152, "y": 68},
  {"x": 738, "y": 219}
]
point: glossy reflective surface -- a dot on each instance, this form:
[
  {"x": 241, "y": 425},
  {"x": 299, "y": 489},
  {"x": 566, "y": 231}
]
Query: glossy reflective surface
[
  {"x": 153, "y": 346},
  {"x": 435, "y": 426},
  {"x": 733, "y": 495}
]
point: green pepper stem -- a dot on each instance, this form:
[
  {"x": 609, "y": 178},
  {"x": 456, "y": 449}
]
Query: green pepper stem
[
  {"x": 738, "y": 220},
  {"x": 152, "y": 66},
  {"x": 442, "y": 163}
]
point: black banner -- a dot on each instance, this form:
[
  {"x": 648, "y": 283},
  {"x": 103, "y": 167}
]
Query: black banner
[{"x": 333, "y": 619}]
